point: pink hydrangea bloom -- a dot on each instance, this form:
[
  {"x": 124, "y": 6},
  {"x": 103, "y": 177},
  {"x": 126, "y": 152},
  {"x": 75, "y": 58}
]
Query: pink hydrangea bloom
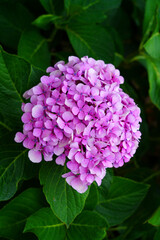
[{"x": 80, "y": 112}]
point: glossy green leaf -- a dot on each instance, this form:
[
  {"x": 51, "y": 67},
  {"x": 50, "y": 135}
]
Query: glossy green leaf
[
  {"x": 149, "y": 14},
  {"x": 59, "y": 194},
  {"x": 44, "y": 20},
  {"x": 153, "y": 68},
  {"x": 17, "y": 76},
  {"x": 14, "y": 214},
  {"x": 34, "y": 48},
  {"x": 87, "y": 226},
  {"x": 92, "y": 198},
  {"x": 14, "y": 18},
  {"x": 152, "y": 46},
  {"x": 123, "y": 198},
  {"x": 157, "y": 234},
  {"x": 84, "y": 41},
  {"x": 155, "y": 219},
  {"x": 45, "y": 225}
]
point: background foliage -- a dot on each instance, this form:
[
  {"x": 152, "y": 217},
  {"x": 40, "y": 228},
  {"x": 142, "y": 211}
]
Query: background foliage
[{"x": 36, "y": 203}]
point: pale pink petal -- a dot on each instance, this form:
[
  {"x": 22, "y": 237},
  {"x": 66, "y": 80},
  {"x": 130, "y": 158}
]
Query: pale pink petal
[
  {"x": 58, "y": 133},
  {"x": 68, "y": 130},
  {"x": 80, "y": 128},
  {"x": 79, "y": 157},
  {"x": 28, "y": 107},
  {"x": 50, "y": 69},
  {"x": 28, "y": 126},
  {"x": 94, "y": 91},
  {"x": 81, "y": 115},
  {"x": 26, "y": 117},
  {"x": 37, "y": 111},
  {"x": 75, "y": 110},
  {"x": 60, "y": 123},
  {"x": 78, "y": 185},
  {"x": 50, "y": 101},
  {"x": 19, "y": 137},
  {"x": 61, "y": 160},
  {"x": 37, "y": 132},
  {"x": 35, "y": 156},
  {"x": 37, "y": 90},
  {"x": 58, "y": 150},
  {"x": 67, "y": 116}
]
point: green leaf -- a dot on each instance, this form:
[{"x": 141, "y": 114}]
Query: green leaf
[
  {"x": 87, "y": 226},
  {"x": 106, "y": 183},
  {"x": 17, "y": 76},
  {"x": 123, "y": 198},
  {"x": 157, "y": 234},
  {"x": 85, "y": 41},
  {"x": 14, "y": 214},
  {"x": 155, "y": 219},
  {"x": 59, "y": 194},
  {"x": 34, "y": 48},
  {"x": 48, "y": 5},
  {"x": 153, "y": 69},
  {"x": 149, "y": 15},
  {"x": 92, "y": 198},
  {"x": 14, "y": 18},
  {"x": 44, "y": 20},
  {"x": 45, "y": 225},
  {"x": 152, "y": 46}
]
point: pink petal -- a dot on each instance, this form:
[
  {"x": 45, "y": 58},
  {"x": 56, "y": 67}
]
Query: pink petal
[
  {"x": 79, "y": 157},
  {"x": 81, "y": 115},
  {"x": 94, "y": 91},
  {"x": 80, "y": 103},
  {"x": 68, "y": 130},
  {"x": 50, "y": 101},
  {"x": 28, "y": 107},
  {"x": 80, "y": 128},
  {"x": 67, "y": 116},
  {"x": 78, "y": 185},
  {"x": 60, "y": 123},
  {"x": 58, "y": 150},
  {"x": 37, "y": 90},
  {"x": 28, "y": 126},
  {"x": 58, "y": 133},
  {"x": 61, "y": 160},
  {"x": 26, "y": 117},
  {"x": 19, "y": 137},
  {"x": 75, "y": 110},
  {"x": 35, "y": 156},
  {"x": 48, "y": 124},
  {"x": 37, "y": 132},
  {"x": 50, "y": 69},
  {"x": 37, "y": 111}
]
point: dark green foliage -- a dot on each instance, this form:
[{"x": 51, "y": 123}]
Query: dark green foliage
[{"x": 35, "y": 201}]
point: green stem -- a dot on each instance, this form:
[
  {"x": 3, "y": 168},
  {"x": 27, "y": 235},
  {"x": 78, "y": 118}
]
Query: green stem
[{"x": 151, "y": 176}]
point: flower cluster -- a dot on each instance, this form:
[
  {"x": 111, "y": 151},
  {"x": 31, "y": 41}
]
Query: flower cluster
[{"x": 79, "y": 113}]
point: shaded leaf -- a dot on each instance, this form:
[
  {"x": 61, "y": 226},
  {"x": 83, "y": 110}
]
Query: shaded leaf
[
  {"x": 157, "y": 235},
  {"x": 92, "y": 198},
  {"x": 59, "y": 194},
  {"x": 155, "y": 219},
  {"x": 14, "y": 18},
  {"x": 87, "y": 226},
  {"x": 44, "y": 20},
  {"x": 152, "y": 46},
  {"x": 14, "y": 214},
  {"x": 17, "y": 76},
  {"x": 84, "y": 42},
  {"x": 123, "y": 198},
  {"x": 34, "y": 48},
  {"x": 45, "y": 225}
]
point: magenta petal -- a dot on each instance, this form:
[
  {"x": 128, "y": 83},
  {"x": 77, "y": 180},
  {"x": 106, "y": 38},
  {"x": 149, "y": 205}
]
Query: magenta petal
[
  {"x": 37, "y": 111},
  {"x": 68, "y": 130},
  {"x": 50, "y": 101},
  {"x": 35, "y": 156},
  {"x": 26, "y": 117},
  {"x": 37, "y": 132},
  {"x": 61, "y": 159},
  {"x": 37, "y": 90},
  {"x": 19, "y": 137},
  {"x": 67, "y": 116},
  {"x": 80, "y": 128},
  {"x": 75, "y": 110},
  {"x": 79, "y": 157},
  {"x": 60, "y": 123},
  {"x": 28, "y": 126},
  {"x": 58, "y": 150},
  {"x": 28, "y": 107},
  {"x": 78, "y": 185},
  {"x": 58, "y": 133}
]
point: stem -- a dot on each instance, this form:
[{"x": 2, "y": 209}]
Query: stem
[
  {"x": 52, "y": 35},
  {"x": 151, "y": 176}
]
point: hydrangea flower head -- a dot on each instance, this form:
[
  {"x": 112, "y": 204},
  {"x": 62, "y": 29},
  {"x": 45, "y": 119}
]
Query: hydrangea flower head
[{"x": 79, "y": 112}]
